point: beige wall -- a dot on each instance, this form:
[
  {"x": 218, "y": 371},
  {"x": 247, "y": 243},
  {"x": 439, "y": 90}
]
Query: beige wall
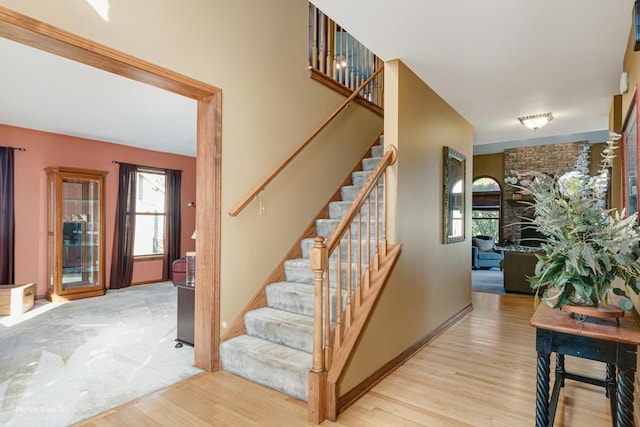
[
  {"x": 430, "y": 282},
  {"x": 616, "y": 173},
  {"x": 256, "y": 52},
  {"x": 491, "y": 165}
]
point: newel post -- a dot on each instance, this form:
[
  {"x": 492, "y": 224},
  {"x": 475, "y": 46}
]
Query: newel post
[
  {"x": 383, "y": 245},
  {"x": 318, "y": 373}
]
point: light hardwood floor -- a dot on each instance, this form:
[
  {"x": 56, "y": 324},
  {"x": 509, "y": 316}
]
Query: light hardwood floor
[{"x": 480, "y": 372}]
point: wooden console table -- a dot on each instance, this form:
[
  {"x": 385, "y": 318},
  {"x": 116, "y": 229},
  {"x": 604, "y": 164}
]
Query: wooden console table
[{"x": 603, "y": 340}]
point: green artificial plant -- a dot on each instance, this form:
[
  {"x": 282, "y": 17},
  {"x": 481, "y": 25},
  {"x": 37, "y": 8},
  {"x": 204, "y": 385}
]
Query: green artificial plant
[{"x": 587, "y": 246}]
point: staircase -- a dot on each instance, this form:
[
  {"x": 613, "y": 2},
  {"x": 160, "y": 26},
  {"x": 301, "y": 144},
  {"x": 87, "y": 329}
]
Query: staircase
[{"x": 276, "y": 350}]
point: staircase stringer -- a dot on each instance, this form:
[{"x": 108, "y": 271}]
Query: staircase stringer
[{"x": 343, "y": 354}]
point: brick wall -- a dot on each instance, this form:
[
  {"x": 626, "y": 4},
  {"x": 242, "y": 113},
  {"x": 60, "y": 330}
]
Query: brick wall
[{"x": 553, "y": 159}]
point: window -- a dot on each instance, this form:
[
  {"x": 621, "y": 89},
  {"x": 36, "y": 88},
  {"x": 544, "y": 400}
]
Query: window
[
  {"x": 150, "y": 214},
  {"x": 485, "y": 211}
]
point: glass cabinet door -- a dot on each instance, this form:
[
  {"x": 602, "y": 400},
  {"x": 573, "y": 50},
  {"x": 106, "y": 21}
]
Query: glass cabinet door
[
  {"x": 80, "y": 233},
  {"x": 76, "y": 233}
]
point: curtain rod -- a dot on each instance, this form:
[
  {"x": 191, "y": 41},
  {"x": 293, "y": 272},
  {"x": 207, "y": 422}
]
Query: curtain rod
[
  {"x": 145, "y": 167},
  {"x": 18, "y": 148}
]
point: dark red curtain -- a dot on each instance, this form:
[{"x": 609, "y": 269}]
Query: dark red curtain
[
  {"x": 124, "y": 233},
  {"x": 7, "y": 222},
  {"x": 173, "y": 219}
]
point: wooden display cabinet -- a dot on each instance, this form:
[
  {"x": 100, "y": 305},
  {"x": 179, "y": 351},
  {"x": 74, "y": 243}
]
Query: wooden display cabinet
[{"x": 76, "y": 242}]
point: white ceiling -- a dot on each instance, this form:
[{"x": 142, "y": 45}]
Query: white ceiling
[
  {"x": 492, "y": 61},
  {"x": 50, "y": 93},
  {"x": 496, "y": 60}
]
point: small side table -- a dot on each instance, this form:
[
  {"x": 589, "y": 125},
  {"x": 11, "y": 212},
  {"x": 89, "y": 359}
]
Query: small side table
[
  {"x": 186, "y": 314},
  {"x": 603, "y": 340}
]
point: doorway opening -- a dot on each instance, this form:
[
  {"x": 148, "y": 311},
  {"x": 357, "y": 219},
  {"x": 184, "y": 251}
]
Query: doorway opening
[{"x": 37, "y": 34}]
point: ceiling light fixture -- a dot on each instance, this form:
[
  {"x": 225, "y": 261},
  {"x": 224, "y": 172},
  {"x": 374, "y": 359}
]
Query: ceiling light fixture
[{"x": 536, "y": 121}]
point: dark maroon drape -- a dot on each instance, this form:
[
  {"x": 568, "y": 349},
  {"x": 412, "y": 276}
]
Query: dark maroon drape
[
  {"x": 7, "y": 221},
  {"x": 124, "y": 233},
  {"x": 172, "y": 223}
]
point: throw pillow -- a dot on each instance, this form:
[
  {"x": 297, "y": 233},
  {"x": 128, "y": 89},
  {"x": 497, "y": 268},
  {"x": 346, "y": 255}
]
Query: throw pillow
[{"x": 484, "y": 245}]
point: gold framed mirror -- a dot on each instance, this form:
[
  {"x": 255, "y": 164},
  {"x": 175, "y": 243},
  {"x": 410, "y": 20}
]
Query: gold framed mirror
[{"x": 454, "y": 196}]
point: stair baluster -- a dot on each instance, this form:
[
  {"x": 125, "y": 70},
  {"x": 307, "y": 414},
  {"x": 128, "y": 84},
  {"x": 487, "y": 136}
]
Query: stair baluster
[
  {"x": 348, "y": 309},
  {"x": 346, "y": 320}
]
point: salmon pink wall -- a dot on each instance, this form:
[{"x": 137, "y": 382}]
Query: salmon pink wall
[{"x": 47, "y": 149}]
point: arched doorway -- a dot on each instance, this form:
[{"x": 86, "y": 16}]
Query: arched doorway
[{"x": 486, "y": 208}]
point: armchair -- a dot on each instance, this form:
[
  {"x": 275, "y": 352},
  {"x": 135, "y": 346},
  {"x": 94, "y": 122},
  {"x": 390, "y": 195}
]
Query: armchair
[
  {"x": 179, "y": 271},
  {"x": 484, "y": 253}
]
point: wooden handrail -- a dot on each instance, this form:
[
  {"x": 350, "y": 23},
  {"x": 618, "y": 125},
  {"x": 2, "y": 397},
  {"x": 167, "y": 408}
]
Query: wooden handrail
[{"x": 252, "y": 195}]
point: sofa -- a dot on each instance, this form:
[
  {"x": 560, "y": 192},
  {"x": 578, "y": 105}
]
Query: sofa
[
  {"x": 484, "y": 253},
  {"x": 518, "y": 267}
]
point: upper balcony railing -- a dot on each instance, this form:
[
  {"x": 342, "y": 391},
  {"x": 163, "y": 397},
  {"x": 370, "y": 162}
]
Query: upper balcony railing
[{"x": 339, "y": 60}]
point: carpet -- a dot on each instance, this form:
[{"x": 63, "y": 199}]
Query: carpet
[{"x": 65, "y": 362}]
